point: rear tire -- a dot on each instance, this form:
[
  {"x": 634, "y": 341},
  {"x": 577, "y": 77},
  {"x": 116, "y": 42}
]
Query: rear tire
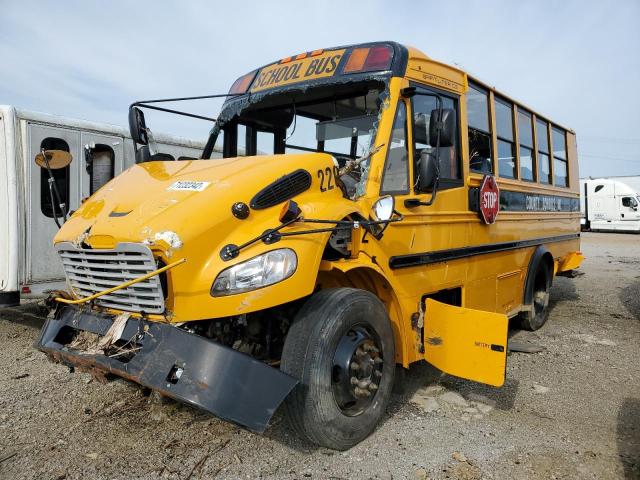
[
  {"x": 538, "y": 313},
  {"x": 341, "y": 348}
]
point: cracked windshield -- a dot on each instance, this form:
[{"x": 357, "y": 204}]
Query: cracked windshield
[{"x": 341, "y": 122}]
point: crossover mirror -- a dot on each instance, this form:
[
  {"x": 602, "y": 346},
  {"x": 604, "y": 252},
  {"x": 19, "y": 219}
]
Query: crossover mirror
[
  {"x": 53, "y": 159},
  {"x": 138, "y": 126},
  {"x": 382, "y": 210},
  {"x": 446, "y": 125}
]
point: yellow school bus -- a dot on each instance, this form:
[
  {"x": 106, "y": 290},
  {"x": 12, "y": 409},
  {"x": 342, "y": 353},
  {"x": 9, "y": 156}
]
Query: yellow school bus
[{"x": 374, "y": 208}]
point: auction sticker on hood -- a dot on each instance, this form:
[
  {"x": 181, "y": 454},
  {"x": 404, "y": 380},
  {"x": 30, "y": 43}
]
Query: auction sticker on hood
[{"x": 188, "y": 186}]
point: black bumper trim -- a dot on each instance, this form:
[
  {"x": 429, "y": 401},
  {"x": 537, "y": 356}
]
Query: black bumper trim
[
  {"x": 437, "y": 256},
  {"x": 227, "y": 383}
]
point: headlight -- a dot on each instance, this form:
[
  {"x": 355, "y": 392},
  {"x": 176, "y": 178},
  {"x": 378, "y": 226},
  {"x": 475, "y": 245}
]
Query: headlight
[{"x": 261, "y": 271}]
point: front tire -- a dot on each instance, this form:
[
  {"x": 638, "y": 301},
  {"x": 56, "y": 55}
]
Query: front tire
[{"x": 341, "y": 348}]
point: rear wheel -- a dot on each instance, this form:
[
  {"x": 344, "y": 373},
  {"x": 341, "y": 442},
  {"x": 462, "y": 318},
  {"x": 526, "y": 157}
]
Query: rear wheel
[
  {"x": 341, "y": 348},
  {"x": 536, "y": 316}
]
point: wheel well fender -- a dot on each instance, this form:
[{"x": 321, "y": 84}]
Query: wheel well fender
[
  {"x": 541, "y": 257},
  {"x": 372, "y": 279}
]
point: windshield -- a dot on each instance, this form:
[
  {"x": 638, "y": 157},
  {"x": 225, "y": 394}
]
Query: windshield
[{"x": 341, "y": 120}]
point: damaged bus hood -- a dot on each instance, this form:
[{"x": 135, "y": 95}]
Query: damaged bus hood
[
  {"x": 154, "y": 197},
  {"x": 182, "y": 209}
]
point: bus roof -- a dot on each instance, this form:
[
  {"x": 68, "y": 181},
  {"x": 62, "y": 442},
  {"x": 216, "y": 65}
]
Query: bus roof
[{"x": 360, "y": 62}]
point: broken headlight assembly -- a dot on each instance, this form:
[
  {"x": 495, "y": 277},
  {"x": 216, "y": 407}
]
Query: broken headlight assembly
[{"x": 257, "y": 272}]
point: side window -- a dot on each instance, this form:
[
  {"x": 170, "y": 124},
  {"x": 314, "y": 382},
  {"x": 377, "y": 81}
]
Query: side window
[
  {"x": 479, "y": 130},
  {"x": 559, "y": 143},
  {"x": 628, "y": 202},
  {"x": 544, "y": 162},
  {"x": 506, "y": 145},
  {"x": 422, "y": 106},
  {"x": 598, "y": 188},
  {"x": 100, "y": 163},
  {"x": 395, "y": 178},
  {"x": 61, "y": 177},
  {"x": 525, "y": 139}
]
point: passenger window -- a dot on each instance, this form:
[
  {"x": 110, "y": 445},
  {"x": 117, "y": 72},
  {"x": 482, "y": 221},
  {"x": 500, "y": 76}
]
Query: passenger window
[
  {"x": 544, "y": 162},
  {"x": 61, "y": 177},
  {"x": 395, "y": 178},
  {"x": 479, "y": 131},
  {"x": 506, "y": 145},
  {"x": 422, "y": 106},
  {"x": 629, "y": 202},
  {"x": 525, "y": 139},
  {"x": 559, "y": 143},
  {"x": 598, "y": 188}
]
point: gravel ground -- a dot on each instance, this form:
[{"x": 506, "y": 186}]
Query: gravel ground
[{"x": 570, "y": 411}]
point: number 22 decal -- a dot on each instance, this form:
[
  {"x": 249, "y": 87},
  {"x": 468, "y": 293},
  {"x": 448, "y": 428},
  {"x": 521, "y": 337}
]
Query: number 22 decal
[{"x": 328, "y": 175}]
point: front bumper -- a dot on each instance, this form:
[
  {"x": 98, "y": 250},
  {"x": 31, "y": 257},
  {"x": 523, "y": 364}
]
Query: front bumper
[{"x": 227, "y": 383}]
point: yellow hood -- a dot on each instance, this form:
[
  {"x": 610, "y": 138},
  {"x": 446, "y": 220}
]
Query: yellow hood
[{"x": 142, "y": 205}]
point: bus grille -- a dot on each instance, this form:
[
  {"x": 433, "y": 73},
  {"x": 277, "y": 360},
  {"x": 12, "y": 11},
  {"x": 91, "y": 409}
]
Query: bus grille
[{"x": 91, "y": 271}]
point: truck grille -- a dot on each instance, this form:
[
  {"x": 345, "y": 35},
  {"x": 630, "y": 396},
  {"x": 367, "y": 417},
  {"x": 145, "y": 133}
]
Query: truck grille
[{"x": 91, "y": 271}]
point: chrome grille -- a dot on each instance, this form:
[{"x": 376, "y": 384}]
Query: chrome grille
[{"x": 91, "y": 271}]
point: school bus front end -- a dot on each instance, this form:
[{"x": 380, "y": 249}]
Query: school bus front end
[{"x": 360, "y": 219}]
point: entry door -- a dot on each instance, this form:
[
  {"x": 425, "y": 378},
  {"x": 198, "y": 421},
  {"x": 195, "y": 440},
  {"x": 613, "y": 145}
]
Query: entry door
[
  {"x": 41, "y": 261},
  {"x": 105, "y": 160}
]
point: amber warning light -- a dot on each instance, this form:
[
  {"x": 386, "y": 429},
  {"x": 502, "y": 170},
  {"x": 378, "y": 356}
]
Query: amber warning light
[
  {"x": 241, "y": 85},
  {"x": 369, "y": 59}
]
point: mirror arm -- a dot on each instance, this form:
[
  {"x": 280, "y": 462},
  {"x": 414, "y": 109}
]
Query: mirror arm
[
  {"x": 53, "y": 192},
  {"x": 177, "y": 112}
]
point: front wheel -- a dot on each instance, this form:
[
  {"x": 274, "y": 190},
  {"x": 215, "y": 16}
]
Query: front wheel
[{"x": 341, "y": 348}]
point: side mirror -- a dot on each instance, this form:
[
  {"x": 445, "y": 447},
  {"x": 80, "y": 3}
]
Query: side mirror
[
  {"x": 53, "y": 159},
  {"x": 447, "y": 127},
  {"x": 138, "y": 126},
  {"x": 382, "y": 210},
  {"x": 427, "y": 171}
]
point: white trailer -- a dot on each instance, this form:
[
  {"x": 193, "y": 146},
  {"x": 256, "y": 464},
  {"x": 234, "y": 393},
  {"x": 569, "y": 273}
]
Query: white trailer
[
  {"x": 28, "y": 263},
  {"x": 609, "y": 205}
]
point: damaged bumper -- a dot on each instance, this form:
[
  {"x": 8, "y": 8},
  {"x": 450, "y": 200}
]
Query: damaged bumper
[{"x": 178, "y": 364}]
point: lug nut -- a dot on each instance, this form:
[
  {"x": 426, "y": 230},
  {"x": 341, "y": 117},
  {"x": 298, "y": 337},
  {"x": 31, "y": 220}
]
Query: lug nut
[
  {"x": 354, "y": 366},
  {"x": 364, "y": 383},
  {"x": 362, "y": 393},
  {"x": 354, "y": 381},
  {"x": 373, "y": 387},
  {"x": 377, "y": 373},
  {"x": 377, "y": 360}
]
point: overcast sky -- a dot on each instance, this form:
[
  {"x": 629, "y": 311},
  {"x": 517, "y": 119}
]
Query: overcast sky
[{"x": 577, "y": 62}]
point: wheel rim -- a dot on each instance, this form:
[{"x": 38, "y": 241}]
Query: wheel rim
[
  {"x": 541, "y": 295},
  {"x": 357, "y": 370}
]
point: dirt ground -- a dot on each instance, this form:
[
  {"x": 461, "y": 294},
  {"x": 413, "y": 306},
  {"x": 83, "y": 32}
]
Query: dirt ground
[{"x": 570, "y": 411}]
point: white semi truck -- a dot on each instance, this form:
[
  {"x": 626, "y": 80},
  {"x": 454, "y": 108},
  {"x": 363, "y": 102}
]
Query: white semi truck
[
  {"x": 609, "y": 205},
  {"x": 28, "y": 213}
]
